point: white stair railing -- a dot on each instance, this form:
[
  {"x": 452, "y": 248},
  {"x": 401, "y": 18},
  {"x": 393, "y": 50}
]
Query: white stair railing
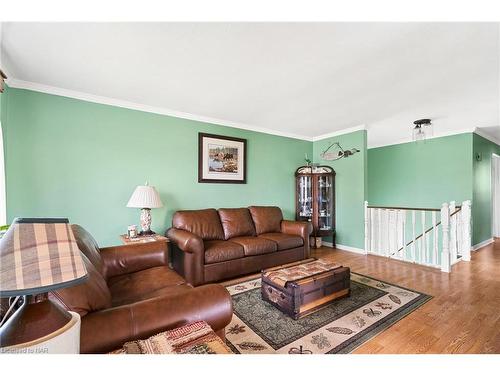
[{"x": 415, "y": 234}]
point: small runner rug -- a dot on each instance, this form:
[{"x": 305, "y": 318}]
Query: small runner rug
[{"x": 373, "y": 306}]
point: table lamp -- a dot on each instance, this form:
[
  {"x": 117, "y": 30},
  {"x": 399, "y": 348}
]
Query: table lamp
[
  {"x": 36, "y": 257},
  {"x": 145, "y": 197}
]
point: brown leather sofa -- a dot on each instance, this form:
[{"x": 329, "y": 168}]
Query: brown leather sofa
[
  {"x": 131, "y": 293},
  {"x": 211, "y": 245}
]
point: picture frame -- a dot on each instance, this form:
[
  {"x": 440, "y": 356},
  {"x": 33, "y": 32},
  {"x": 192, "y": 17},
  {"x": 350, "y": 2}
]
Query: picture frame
[{"x": 221, "y": 159}]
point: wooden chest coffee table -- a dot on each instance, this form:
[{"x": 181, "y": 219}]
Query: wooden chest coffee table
[{"x": 301, "y": 288}]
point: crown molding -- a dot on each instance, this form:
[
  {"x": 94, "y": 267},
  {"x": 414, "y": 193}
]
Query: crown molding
[
  {"x": 490, "y": 138},
  {"x": 33, "y": 86},
  {"x": 339, "y": 132},
  {"x": 410, "y": 140}
]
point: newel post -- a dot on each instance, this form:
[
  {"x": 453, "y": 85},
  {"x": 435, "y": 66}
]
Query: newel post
[
  {"x": 445, "y": 223},
  {"x": 466, "y": 225},
  {"x": 367, "y": 228}
]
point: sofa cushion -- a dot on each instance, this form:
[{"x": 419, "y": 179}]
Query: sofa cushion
[
  {"x": 255, "y": 245},
  {"x": 284, "y": 241},
  {"x": 88, "y": 245},
  {"x": 91, "y": 295},
  {"x": 266, "y": 218},
  {"x": 236, "y": 222},
  {"x": 220, "y": 251},
  {"x": 204, "y": 223},
  {"x": 145, "y": 284}
]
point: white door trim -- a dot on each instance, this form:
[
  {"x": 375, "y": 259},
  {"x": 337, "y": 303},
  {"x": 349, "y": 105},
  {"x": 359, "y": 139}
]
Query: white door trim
[
  {"x": 3, "y": 198},
  {"x": 495, "y": 195}
]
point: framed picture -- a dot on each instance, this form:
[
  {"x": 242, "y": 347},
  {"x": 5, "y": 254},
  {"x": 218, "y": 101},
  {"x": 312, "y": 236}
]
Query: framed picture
[{"x": 221, "y": 159}]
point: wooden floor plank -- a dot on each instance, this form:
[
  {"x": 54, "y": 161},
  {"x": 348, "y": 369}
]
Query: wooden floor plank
[{"x": 462, "y": 317}]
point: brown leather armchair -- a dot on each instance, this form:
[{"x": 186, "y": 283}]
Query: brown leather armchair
[
  {"x": 131, "y": 293},
  {"x": 211, "y": 245}
]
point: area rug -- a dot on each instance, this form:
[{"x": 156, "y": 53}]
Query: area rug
[{"x": 372, "y": 307}]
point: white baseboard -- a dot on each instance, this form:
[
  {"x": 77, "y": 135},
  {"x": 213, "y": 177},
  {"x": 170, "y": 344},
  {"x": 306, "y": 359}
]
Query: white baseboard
[
  {"x": 327, "y": 244},
  {"x": 482, "y": 244},
  {"x": 345, "y": 247}
]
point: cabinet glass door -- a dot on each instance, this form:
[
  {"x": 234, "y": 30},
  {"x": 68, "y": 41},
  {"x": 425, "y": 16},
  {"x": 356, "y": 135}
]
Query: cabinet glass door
[
  {"x": 324, "y": 203},
  {"x": 305, "y": 203}
]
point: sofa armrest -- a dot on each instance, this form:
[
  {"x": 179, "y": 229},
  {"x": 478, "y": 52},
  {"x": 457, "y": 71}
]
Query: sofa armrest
[
  {"x": 186, "y": 241},
  {"x": 119, "y": 260},
  {"x": 106, "y": 330},
  {"x": 297, "y": 228},
  {"x": 188, "y": 253}
]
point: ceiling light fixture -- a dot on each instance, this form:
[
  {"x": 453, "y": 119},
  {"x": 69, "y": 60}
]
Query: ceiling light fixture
[{"x": 422, "y": 129}]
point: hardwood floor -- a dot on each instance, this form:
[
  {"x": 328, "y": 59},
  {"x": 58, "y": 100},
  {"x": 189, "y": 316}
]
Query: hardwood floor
[{"x": 462, "y": 317}]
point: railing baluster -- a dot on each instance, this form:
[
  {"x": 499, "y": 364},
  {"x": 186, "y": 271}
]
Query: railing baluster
[
  {"x": 373, "y": 229},
  {"x": 367, "y": 229},
  {"x": 403, "y": 254},
  {"x": 396, "y": 233},
  {"x": 413, "y": 256},
  {"x": 399, "y": 233},
  {"x": 428, "y": 249},
  {"x": 435, "y": 240},
  {"x": 393, "y": 225},
  {"x": 459, "y": 237},
  {"x": 380, "y": 232},
  {"x": 418, "y": 245},
  {"x": 423, "y": 249},
  {"x": 379, "y": 250},
  {"x": 387, "y": 234}
]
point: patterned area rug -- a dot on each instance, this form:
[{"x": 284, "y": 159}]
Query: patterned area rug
[{"x": 373, "y": 306}]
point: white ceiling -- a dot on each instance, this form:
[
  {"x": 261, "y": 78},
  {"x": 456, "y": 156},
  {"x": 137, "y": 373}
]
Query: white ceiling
[{"x": 300, "y": 79}]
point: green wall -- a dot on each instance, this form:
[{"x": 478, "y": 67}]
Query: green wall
[
  {"x": 421, "y": 174},
  {"x": 350, "y": 182},
  {"x": 481, "y": 208},
  {"x": 81, "y": 160}
]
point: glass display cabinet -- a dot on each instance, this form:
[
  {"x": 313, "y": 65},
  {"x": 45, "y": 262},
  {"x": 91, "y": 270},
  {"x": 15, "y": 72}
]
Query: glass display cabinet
[{"x": 315, "y": 199}]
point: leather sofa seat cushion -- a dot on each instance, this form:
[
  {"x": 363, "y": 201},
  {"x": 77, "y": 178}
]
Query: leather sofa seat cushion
[
  {"x": 221, "y": 251},
  {"x": 91, "y": 295},
  {"x": 236, "y": 222},
  {"x": 145, "y": 284},
  {"x": 255, "y": 245},
  {"x": 203, "y": 223},
  {"x": 266, "y": 219},
  {"x": 284, "y": 241}
]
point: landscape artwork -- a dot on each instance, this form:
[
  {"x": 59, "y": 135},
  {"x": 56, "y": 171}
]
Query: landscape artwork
[{"x": 221, "y": 159}]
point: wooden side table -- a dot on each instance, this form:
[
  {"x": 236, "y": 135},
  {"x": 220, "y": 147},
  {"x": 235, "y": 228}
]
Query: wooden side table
[
  {"x": 153, "y": 239},
  {"x": 143, "y": 239}
]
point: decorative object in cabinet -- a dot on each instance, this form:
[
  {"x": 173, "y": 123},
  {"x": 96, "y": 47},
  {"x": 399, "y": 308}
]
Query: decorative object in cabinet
[{"x": 315, "y": 200}]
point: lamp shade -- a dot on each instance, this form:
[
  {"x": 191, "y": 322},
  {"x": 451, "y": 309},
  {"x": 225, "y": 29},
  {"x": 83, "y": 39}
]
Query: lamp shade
[
  {"x": 145, "y": 196},
  {"x": 37, "y": 256}
]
